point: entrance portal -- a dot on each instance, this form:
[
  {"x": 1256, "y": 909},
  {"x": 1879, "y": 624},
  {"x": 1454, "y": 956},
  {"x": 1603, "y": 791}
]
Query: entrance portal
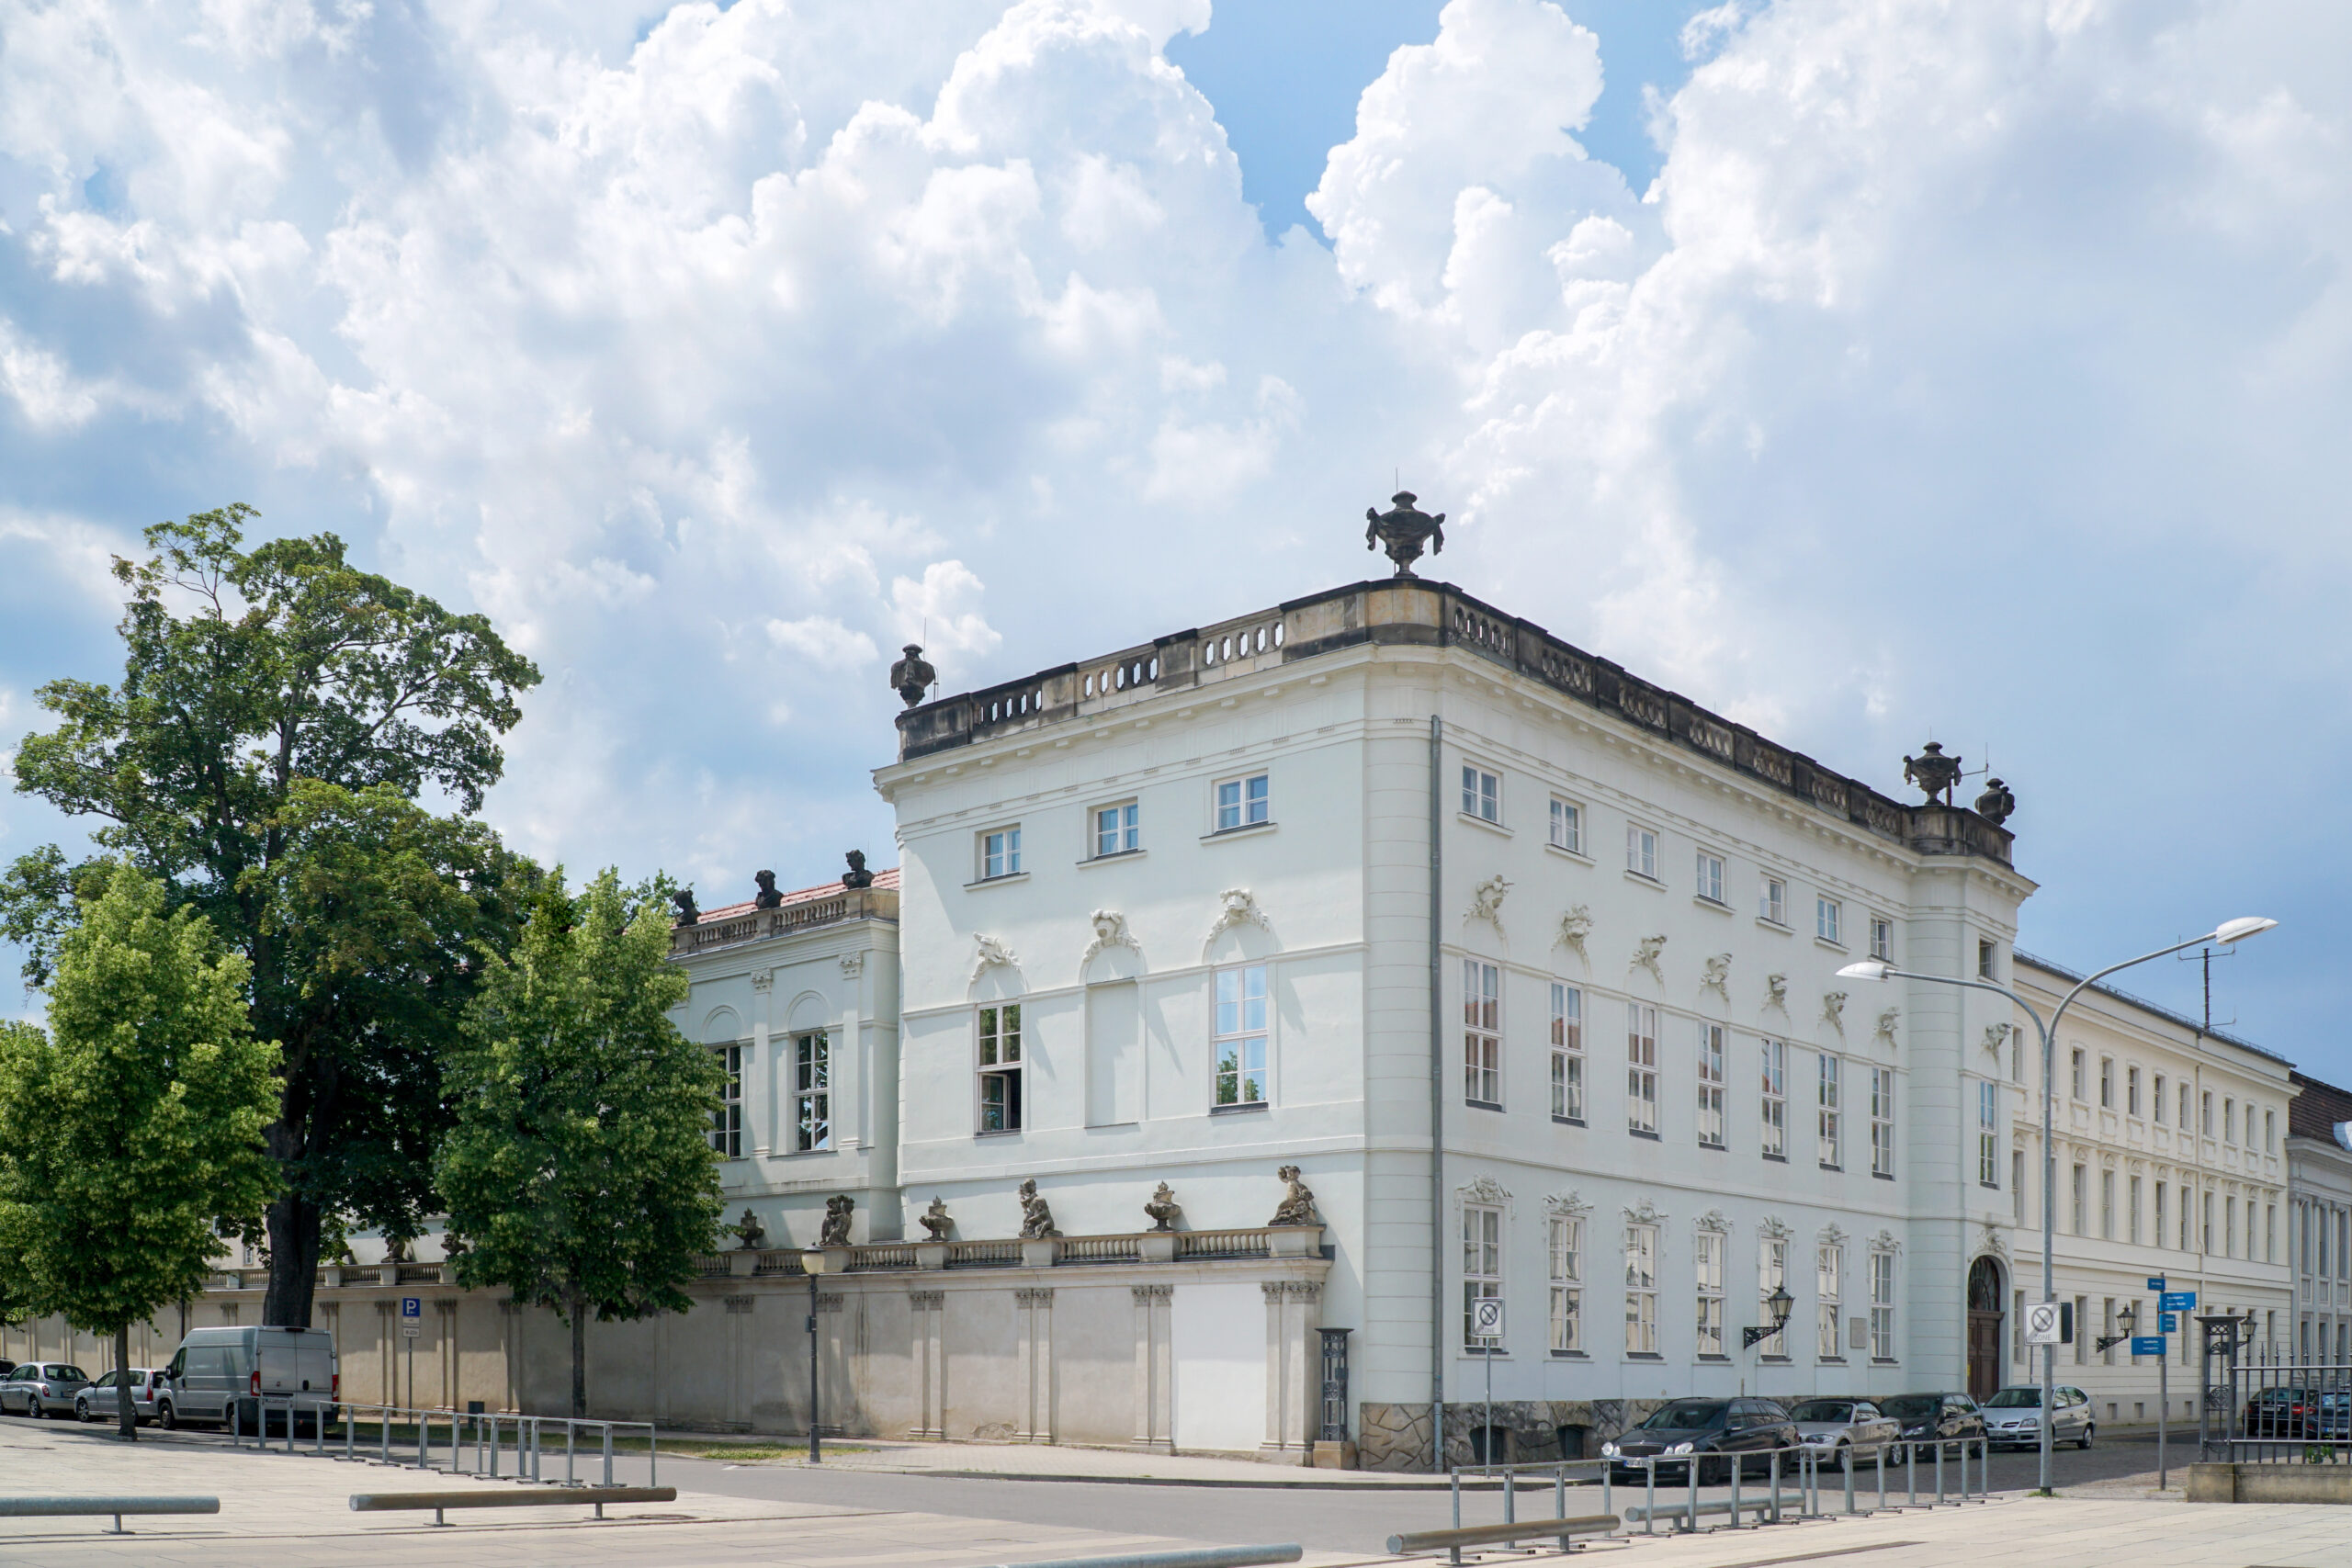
[{"x": 1984, "y": 1329}]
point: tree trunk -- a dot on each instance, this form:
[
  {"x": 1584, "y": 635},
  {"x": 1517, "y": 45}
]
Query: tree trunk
[
  {"x": 578, "y": 1311},
  {"x": 293, "y": 1261},
  {"x": 126, "y": 1414}
]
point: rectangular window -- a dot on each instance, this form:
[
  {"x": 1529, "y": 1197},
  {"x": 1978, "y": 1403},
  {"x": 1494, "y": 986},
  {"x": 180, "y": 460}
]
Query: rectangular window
[
  {"x": 2156, "y": 1097},
  {"x": 2132, "y": 1214},
  {"x": 1776, "y": 1099},
  {"x": 1640, "y": 850},
  {"x": 2205, "y": 1228},
  {"x": 1000, "y": 854},
  {"x": 1241, "y": 1035},
  {"x": 2270, "y": 1132},
  {"x": 1118, "y": 829},
  {"x": 1881, "y": 939},
  {"x": 1988, "y": 1133},
  {"x": 2016, "y": 1186},
  {"x": 1829, "y": 1267},
  {"x": 1241, "y": 803},
  {"x": 2205, "y": 1114},
  {"x": 2229, "y": 1120},
  {"x": 1568, "y": 1054},
  {"x": 1001, "y": 1068},
  {"x": 1567, "y": 825},
  {"x": 1984, "y": 959},
  {"x": 1881, "y": 1306},
  {"x": 812, "y": 1092},
  {"x": 726, "y": 1122},
  {"x": 1711, "y": 1085},
  {"x": 2107, "y": 1083},
  {"x": 2183, "y": 1108},
  {"x": 1641, "y": 1289},
  {"x": 2107, "y": 1329},
  {"x": 2132, "y": 1091},
  {"x": 1482, "y": 794},
  {"x": 2082, "y": 1330},
  {"x": 1772, "y": 901},
  {"x": 2229, "y": 1227},
  {"x": 2107, "y": 1205},
  {"x": 1567, "y": 1283},
  {"x": 1829, "y": 1127},
  {"x": 1482, "y": 1040},
  {"x": 2270, "y": 1233},
  {"x": 1708, "y": 1263},
  {"x": 1827, "y": 918},
  {"x": 2082, "y": 1200},
  {"x": 1883, "y": 1122},
  {"x": 2159, "y": 1214},
  {"x": 1771, "y": 1274},
  {"x": 1710, "y": 877},
  {"x": 1640, "y": 1068},
  {"x": 1482, "y": 1270},
  {"x": 2077, "y": 1081}
]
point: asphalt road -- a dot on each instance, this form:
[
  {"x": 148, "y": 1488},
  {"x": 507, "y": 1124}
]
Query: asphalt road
[{"x": 1334, "y": 1519}]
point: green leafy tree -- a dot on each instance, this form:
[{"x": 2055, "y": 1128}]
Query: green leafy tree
[
  {"x": 281, "y": 713},
  {"x": 130, "y": 1135},
  {"x": 580, "y": 1174}
]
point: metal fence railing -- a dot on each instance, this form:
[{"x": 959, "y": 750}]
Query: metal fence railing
[
  {"x": 490, "y": 1444},
  {"x": 1910, "y": 1474},
  {"x": 2267, "y": 1406}
]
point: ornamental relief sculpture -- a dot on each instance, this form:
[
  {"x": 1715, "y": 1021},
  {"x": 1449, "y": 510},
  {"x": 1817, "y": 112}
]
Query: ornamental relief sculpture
[
  {"x": 1886, "y": 1022},
  {"x": 1487, "y": 903},
  {"x": 1645, "y": 956},
  {"x": 1718, "y": 976},
  {"x": 1776, "y": 992},
  {"x": 1575, "y": 926},
  {"x": 1833, "y": 1009},
  {"x": 1110, "y": 930},
  {"x": 1237, "y": 907},
  {"x": 989, "y": 953}
]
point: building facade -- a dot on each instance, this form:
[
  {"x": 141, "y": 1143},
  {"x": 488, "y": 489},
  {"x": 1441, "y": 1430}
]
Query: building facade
[{"x": 2319, "y": 1184}]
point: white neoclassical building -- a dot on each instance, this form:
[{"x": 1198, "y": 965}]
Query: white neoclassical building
[{"x": 2319, "y": 1183}]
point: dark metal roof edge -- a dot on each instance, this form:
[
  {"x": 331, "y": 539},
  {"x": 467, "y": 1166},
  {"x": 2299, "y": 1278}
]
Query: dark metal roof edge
[{"x": 2047, "y": 968}]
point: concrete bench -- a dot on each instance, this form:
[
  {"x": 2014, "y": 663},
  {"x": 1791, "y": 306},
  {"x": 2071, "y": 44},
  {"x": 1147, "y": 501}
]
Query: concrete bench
[
  {"x": 508, "y": 1498},
  {"x": 1451, "y": 1542},
  {"x": 116, "y": 1507}
]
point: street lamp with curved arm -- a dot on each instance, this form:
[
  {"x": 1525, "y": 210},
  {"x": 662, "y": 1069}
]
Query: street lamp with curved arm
[{"x": 2227, "y": 932}]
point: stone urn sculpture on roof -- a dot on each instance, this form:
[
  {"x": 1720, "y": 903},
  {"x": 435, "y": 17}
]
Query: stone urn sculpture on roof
[{"x": 1404, "y": 529}]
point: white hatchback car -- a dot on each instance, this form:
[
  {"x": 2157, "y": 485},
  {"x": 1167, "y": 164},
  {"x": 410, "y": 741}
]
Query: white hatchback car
[{"x": 2013, "y": 1418}]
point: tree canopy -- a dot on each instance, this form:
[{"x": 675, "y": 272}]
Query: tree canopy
[{"x": 580, "y": 1173}]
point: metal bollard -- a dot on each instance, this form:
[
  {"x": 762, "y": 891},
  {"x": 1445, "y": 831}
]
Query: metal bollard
[
  {"x": 609, "y": 1453},
  {"x": 1738, "y": 1465},
  {"x": 1851, "y": 1458},
  {"x": 1882, "y": 1478},
  {"x": 1453, "y": 1477},
  {"x": 1649, "y": 1514},
  {"x": 1511, "y": 1495},
  {"x": 1940, "y": 1473},
  {"x": 1775, "y": 1478},
  {"x": 1911, "y": 1473},
  {"x": 1690, "y": 1519}
]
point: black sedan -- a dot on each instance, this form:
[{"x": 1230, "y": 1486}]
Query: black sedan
[
  {"x": 1928, "y": 1419},
  {"x": 2289, "y": 1412},
  {"x": 1724, "y": 1431}
]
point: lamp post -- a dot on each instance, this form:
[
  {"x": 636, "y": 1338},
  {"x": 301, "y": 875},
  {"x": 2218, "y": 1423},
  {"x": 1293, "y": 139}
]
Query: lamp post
[
  {"x": 1879, "y": 969},
  {"x": 812, "y": 1263},
  {"x": 1782, "y": 1303},
  {"x": 2128, "y": 1317}
]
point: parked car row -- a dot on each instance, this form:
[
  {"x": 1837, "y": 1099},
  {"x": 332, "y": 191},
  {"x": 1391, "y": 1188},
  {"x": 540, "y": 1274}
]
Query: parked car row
[
  {"x": 218, "y": 1376},
  {"x": 1716, "y": 1434},
  {"x": 2308, "y": 1415}
]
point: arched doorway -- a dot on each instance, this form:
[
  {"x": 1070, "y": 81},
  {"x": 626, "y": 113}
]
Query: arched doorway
[{"x": 1984, "y": 1313}]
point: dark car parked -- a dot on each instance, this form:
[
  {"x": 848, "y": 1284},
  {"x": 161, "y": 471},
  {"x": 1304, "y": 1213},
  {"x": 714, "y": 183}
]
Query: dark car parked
[
  {"x": 1715, "y": 1433},
  {"x": 2285, "y": 1413},
  {"x": 1934, "y": 1417}
]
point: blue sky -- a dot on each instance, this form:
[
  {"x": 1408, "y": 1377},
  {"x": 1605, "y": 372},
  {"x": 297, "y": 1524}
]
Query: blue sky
[{"x": 1866, "y": 372}]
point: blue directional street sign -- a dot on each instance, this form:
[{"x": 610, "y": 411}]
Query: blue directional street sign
[
  {"x": 2155, "y": 1282},
  {"x": 2167, "y": 1322},
  {"x": 2178, "y": 1300},
  {"x": 2147, "y": 1344}
]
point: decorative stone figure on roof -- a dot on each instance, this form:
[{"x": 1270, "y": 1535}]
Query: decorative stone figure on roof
[
  {"x": 857, "y": 875},
  {"x": 935, "y": 1220},
  {"x": 1932, "y": 770},
  {"x": 835, "y": 1231},
  {"x": 687, "y": 914},
  {"x": 911, "y": 675},
  {"x": 753, "y": 1233},
  {"x": 1163, "y": 1209},
  {"x": 1996, "y": 803},
  {"x": 1297, "y": 1207},
  {"x": 1404, "y": 529},
  {"x": 1036, "y": 1218},
  {"x": 768, "y": 897}
]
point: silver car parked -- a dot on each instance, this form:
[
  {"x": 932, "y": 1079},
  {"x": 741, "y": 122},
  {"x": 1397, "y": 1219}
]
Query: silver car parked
[
  {"x": 41, "y": 1388},
  {"x": 97, "y": 1402},
  {"x": 2013, "y": 1418},
  {"x": 1840, "y": 1430}
]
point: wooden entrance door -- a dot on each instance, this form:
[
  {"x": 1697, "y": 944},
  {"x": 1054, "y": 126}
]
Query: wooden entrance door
[{"x": 1984, "y": 1329}]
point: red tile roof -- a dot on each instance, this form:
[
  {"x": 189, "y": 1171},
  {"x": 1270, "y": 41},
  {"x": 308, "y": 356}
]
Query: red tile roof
[
  {"x": 882, "y": 880},
  {"x": 2314, "y": 1112}
]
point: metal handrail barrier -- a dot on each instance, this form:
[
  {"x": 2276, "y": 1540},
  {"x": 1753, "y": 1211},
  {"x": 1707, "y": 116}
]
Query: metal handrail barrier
[
  {"x": 486, "y": 1430},
  {"x": 531, "y": 1497},
  {"x": 1507, "y": 1533},
  {"x": 102, "y": 1507},
  {"x": 1197, "y": 1557},
  {"x": 2275, "y": 1408},
  {"x": 1806, "y": 1499}
]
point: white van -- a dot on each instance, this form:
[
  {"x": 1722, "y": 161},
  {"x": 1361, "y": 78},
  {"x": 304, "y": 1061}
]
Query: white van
[{"x": 217, "y": 1370}]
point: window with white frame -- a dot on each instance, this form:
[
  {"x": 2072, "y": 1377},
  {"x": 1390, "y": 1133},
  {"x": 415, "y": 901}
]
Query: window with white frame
[
  {"x": 1772, "y": 901},
  {"x": 2204, "y": 1109},
  {"x": 2016, "y": 1186},
  {"x": 2131, "y": 1213},
  {"x": 1828, "y": 1110},
  {"x": 1641, "y": 1067},
  {"x": 1984, "y": 959},
  {"x": 1641, "y": 1289},
  {"x": 2156, "y": 1097},
  {"x": 2205, "y": 1221},
  {"x": 1567, "y": 1283},
  {"x": 2107, "y": 1205},
  {"x": 1708, "y": 1263},
  {"x": 1771, "y": 1274},
  {"x": 2159, "y": 1214},
  {"x": 1118, "y": 829},
  {"x": 1829, "y": 1269},
  {"x": 2082, "y": 1200},
  {"x": 1482, "y": 1039},
  {"x": 1881, "y": 1306},
  {"x": 2132, "y": 1091},
  {"x": 1710, "y": 877},
  {"x": 2107, "y": 1083},
  {"x": 1881, "y": 939},
  {"x": 2270, "y": 1132},
  {"x": 1567, "y": 825},
  {"x": 2229, "y": 1120},
  {"x": 2076, "y": 1080},
  {"x": 1242, "y": 803},
  {"x": 1775, "y": 1099},
  {"x": 1568, "y": 1054},
  {"x": 1882, "y": 1121},
  {"x": 1829, "y": 919},
  {"x": 2184, "y": 1107},
  {"x": 1988, "y": 1133},
  {"x": 1482, "y": 794},
  {"x": 1000, "y": 854},
  {"x": 1241, "y": 1035},
  {"x": 1711, "y": 1085},
  {"x": 1482, "y": 1270},
  {"x": 727, "y": 1121},
  {"x": 1001, "y": 1068},
  {"x": 1640, "y": 850},
  {"x": 812, "y": 1091}
]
